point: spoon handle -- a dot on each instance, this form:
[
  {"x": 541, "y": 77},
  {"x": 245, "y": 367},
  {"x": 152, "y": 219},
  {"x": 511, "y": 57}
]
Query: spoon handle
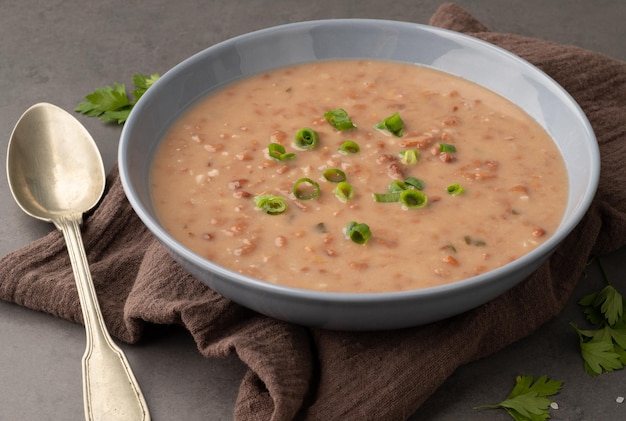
[{"x": 110, "y": 389}]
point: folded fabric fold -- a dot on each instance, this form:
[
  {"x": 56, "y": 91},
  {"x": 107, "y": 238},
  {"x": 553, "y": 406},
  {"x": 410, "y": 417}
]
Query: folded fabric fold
[{"x": 315, "y": 374}]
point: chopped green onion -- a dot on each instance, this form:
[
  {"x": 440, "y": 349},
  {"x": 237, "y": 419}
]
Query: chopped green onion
[
  {"x": 393, "y": 124},
  {"x": 334, "y": 175},
  {"x": 349, "y": 146},
  {"x": 309, "y": 191},
  {"x": 409, "y": 183},
  {"x": 415, "y": 182},
  {"x": 400, "y": 191},
  {"x": 270, "y": 204},
  {"x": 277, "y": 151},
  {"x": 397, "y": 186},
  {"x": 306, "y": 138},
  {"x": 386, "y": 197},
  {"x": 344, "y": 191},
  {"x": 339, "y": 119},
  {"x": 413, "y": 198},
  {"x": 455, "y": 189},
  {"x": 446, "y": 147},
  {"x": 358, "y": 232},
  {"x": 410, "y": 156}
]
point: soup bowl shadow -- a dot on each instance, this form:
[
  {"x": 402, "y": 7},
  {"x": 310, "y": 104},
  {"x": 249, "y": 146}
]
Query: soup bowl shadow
[{"x": 510, "y": 76}]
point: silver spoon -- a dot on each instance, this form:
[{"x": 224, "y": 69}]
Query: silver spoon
[{"x": 56, "y": 174}]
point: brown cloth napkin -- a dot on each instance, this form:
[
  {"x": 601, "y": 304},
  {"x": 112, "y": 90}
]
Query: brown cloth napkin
[{"x": 314, "y": 374}]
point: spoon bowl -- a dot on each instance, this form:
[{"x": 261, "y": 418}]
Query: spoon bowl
[
  {"x": 54, "y": 166},
  {"x": 56, "y": 174}
]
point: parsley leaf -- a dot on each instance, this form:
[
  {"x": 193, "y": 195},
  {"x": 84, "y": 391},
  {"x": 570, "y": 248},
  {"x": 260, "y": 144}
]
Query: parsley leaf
[
  {"x": 142, "y": 83},
  {"x": 529, "y": 401},
  {"x": 112, "y": 103},
  {"x": 610, "y": 303},
  {"x": 603, "y": 349},
  {"x": 598, "y": 349}
]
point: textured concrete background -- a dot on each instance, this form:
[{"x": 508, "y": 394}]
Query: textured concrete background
[{"x": 58, "y": 51}]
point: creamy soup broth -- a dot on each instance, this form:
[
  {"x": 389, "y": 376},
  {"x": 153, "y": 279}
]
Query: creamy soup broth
[{"x": 214, "y": 161}]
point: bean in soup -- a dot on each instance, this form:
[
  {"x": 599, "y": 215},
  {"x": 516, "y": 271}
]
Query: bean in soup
[{"x": 358, "y": 176}]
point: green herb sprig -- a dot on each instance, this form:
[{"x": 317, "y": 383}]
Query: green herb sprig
[
  {"x": 112, "y": 103},
  {"x": 529, "y": 401},
  {"x": 603, "y": 348}
]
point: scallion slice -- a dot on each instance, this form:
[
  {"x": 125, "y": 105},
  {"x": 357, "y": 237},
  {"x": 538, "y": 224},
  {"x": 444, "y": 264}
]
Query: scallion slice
[
  {"x": 413, "y": 198},
  {"x": 270, "y": 204},
  {"x": 350, "y": 147},
  {"x": 358, "y": 232},
  {"x": 306, "y": 138},
  {"x": 410, "y": 156},
  {"x": 344, "y": 191},
  {"x": 397, "y": 186},
  {"x": 386, "y": 197},
  {"x": 334, "y": 175},
  {"x": 306, "y": 189},
  {"x": 455, "y": 189},
  {"x": 339, "y": 119},
  {"x": 393, "y": 124},
  {"x": 415, "y": 182},
  {"x": 409, "y": 183},
  {"x": 446, "y": 147},
  {"x": 278, "y": 152},
  {"x": 406, "y": 192}
]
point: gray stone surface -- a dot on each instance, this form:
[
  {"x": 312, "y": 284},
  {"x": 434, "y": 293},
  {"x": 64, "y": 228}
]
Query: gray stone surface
[{"x": 57, "y": 51}]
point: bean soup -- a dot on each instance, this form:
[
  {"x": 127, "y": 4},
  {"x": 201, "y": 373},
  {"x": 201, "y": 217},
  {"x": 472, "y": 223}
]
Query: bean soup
[{"x": 358, "y": 176}]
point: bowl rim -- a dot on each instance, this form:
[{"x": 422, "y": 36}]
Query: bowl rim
[{"x": 261, "y": 286}]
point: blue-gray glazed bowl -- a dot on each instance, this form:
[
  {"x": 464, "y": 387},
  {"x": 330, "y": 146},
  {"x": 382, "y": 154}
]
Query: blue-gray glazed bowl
[{"x": 280, "y": 46}]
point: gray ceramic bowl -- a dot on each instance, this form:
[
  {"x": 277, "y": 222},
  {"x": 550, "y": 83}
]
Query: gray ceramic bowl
[{"x": 467, "y": 57}]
